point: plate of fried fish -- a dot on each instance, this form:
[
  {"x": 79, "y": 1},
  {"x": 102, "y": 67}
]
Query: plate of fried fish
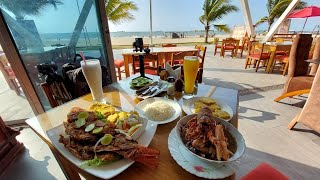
[
  {"x": 219, "y": 108},
  {"x": 105, "y": 141}
]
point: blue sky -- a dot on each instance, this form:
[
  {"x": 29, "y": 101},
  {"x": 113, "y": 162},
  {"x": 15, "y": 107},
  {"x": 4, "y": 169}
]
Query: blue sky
[{"x": 168, "y": 15}]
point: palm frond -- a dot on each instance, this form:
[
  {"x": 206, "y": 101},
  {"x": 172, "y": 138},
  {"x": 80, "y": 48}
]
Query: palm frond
[
  {"x": 222, "y": 28},
  {"x": 120, "y": 10},
  {"x": 262, "y": 20}
]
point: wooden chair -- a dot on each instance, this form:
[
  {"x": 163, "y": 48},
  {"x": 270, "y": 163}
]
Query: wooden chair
[
  {"x": 230, "y": 44},
  {"x": 151, "y": 62},
  {"x": 257, "y": 52},
  {"x": 309, "y": 115},
  {"x": 9, "y": 75},
  {"x": 244, "y": 44},
  {"x": 169, "y": 45},
  {"x": 280, "y": 55},
  {"x": 218, "y": 45},
  {"x": 118, "y": 63},
  {"x": 201, "y": 54},
  {"x": 56, "y": 93},
  {"x": 298, "y": 81},
  {"x": 177, "y": 58}
]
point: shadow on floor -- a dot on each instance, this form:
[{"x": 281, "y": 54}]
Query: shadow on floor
[
  {"x": 290, "y": 168},
  {"x": 25, "y": 167},
  {"x": 263, "y": 115}
]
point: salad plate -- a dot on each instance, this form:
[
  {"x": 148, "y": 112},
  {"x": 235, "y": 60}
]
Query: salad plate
[
  {"x": 195, "y": 165},
  {"x": 105, "y": 171}
]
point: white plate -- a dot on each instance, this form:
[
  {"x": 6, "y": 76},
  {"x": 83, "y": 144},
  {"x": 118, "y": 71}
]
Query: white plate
[
  {"x": 106, "y": 171},
  {"x": 188, "y": 106},
  {"x": 196, "y": 166},
  {"x": 141, "y": 106}
]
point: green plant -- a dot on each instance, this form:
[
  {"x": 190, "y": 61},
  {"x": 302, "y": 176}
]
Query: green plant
[
  {"x": 120, "y": 10},
  {"x": 214, "y": 10},
  {"x": 276, "y": 9},
  {"x": 27, "y": 7}
]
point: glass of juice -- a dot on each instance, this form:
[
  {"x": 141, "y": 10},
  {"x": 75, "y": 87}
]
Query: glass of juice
[
  {"x": 92, "y": 72},
  {"x": 190, "y": 68}
]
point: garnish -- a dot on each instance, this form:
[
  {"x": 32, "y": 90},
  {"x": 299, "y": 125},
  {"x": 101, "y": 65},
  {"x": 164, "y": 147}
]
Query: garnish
[
  {"x": 134, "y": 129},
  {"x": 95, "y": 162},
  {"x": 83, "y": 115},
  {"x": 90, "y": 127},
  {"x": 99, "y": 115},
  {"x": 80, "y": 123},
  {"x": 106, "y": 139},
  {"x": 97, "y": 130}
]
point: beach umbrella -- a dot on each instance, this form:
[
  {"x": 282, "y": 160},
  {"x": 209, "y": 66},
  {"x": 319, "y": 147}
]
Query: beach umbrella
[{"x": 311, "y": 11}]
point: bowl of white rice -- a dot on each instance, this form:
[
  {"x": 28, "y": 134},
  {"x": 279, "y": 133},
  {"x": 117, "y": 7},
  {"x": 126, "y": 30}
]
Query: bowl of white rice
[{"x": 159, "y": 110}]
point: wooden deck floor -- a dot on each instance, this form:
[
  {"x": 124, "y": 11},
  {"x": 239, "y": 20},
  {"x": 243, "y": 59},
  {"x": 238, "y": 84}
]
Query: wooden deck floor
[{"x": 12, "y": 107}]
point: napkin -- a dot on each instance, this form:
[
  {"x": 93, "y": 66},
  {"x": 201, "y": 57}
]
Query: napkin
[{"x": 174, "y": 73}]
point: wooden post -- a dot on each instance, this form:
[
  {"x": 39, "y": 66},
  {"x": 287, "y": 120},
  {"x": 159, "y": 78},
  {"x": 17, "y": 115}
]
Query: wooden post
[{"x": 247, "y": 17}]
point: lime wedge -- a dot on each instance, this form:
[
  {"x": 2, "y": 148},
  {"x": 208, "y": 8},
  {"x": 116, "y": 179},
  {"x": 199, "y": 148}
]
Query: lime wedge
[
  {"x": 134, "y": 129},
  {"x": 97, "y": 130},
  {"x": 80, "y": 123},
  {"x": 83, "y": 115},
  {"x": 107, "y": 139},
  {"x": 89, "y": 127}
]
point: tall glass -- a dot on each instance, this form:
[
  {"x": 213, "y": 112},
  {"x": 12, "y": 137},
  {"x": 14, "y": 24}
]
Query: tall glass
[
  {"x": 190, "y": 68},
  {"x": 92, "y": 72}
]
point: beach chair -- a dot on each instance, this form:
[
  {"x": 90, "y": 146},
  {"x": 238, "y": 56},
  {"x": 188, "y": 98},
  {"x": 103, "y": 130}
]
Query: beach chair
[
  {"x": 256, "y": 53},
  {"x": 178, "y": 58},
  {"x": 230, "y": 44}
]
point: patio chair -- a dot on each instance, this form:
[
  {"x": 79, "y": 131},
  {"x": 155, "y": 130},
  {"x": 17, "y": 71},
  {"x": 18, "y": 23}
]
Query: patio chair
[
  {"x": 167, "y": 56},
  {"x": 201, "y": 54},
  {"x": 280, "y": 56},
  {"x": 118, "y": 63},
  {"x": 151, "y": 62},
  {"x": 230, "y": 44},
  {"x": 243, "y": 46},
  {"x": 309, "y": 115},
  {"x": 257, "y": 52},
  {"x": 298, "y": 81},
  {"x": 177, "y": 58},
  {"x": 218, "y": 45},
  {"x": 315, "y": 55},
  {"x": 9, "y": 75}
]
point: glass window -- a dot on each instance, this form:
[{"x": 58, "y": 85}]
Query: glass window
[{"x": 53, "y": 32}]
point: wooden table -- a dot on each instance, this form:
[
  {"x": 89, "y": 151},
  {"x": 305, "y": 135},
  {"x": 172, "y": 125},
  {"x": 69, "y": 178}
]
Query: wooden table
[
  {"x": 120, "y": 95},
  {"x": 161, "y": 51}
]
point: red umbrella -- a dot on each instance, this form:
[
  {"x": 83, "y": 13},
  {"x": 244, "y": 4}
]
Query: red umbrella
[{"x": 307, "y": 12}]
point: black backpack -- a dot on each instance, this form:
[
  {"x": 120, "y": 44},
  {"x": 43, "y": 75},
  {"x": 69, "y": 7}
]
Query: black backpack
[{"x": 74, "y": 79}]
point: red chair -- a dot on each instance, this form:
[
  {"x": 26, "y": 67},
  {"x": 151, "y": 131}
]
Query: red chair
[
  {"x": 151, "y": 62},
  {"x": 257, "y": 52},
  {"x": 118, "y": 63},
  {"x": 264, "y": 172},
  {"x": 177, "y": 58}
]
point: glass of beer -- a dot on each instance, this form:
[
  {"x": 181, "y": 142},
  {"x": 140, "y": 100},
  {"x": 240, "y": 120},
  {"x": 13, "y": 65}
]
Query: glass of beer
[
  {"x": 190, "y": 68},
  {"x": 92, "y": 72}
]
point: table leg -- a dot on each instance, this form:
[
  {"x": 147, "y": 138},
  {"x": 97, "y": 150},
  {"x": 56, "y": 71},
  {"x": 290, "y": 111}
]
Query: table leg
[
  {"x": 270, "y": 62},
  {"x": 126, "y": 59}
]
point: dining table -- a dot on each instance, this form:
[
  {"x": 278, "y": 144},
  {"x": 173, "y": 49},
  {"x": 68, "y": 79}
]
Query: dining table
[
  {"x": 120, "y": 95},
  {"x": 160, "y": 51}
]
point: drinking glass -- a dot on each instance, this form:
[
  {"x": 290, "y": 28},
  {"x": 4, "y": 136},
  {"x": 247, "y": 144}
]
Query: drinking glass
[
  {"x": 190, "y": 68},
  {"x": 92, "y": 72}
]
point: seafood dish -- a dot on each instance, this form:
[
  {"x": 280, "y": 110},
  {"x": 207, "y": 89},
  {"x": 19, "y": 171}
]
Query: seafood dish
[
  {"x": 203, "y": 136},
  {"x": 94, "y": 137},
  {"x": 213, "y": 106}
]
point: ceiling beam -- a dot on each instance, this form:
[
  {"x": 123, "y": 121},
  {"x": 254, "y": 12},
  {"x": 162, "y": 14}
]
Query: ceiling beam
[{"x": 281, "y": 19}]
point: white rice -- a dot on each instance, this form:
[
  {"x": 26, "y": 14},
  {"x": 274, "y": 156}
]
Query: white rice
[{"x": 159, "y": 111}]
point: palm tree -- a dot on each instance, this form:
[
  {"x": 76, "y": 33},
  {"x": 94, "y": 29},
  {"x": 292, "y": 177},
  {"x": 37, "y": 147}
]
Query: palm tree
[
  {"x": 120, "y": 10},
  {"x": 275, "y": 9},
  {"x": 214, "y": 10},
  {"x": 27, "y": 7}
]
